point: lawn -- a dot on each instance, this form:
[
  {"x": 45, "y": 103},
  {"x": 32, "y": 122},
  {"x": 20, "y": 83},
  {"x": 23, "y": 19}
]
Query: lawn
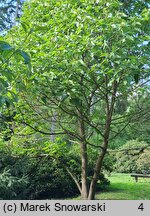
[{"x": 124, "y": 187}]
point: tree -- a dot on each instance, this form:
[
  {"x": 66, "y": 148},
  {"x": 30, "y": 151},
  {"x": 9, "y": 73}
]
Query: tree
[
  {"x": 85, "y": 57},
  {"x": 10, "y": 11}
]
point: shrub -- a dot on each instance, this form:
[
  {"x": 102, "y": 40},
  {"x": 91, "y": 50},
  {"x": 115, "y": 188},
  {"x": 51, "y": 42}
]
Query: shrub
[
  {"x": 128, "y": 155},
  {"x": 108, "y": 164},
  {"x": 47, "y": 178},
  {"x": 143, "y": 163},
  {"x": 12, "y": 187}
]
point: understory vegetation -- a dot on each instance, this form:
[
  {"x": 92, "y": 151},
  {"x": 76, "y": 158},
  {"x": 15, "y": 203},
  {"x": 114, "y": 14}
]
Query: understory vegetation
[{"x": 45, "y": 177}]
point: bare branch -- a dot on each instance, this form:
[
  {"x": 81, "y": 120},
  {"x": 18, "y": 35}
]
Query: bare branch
[{"x": 43, "y": 132}]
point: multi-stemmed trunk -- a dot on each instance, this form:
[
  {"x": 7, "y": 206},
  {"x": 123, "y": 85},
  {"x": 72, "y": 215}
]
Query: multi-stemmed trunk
[{"x": 88, "y": 192}]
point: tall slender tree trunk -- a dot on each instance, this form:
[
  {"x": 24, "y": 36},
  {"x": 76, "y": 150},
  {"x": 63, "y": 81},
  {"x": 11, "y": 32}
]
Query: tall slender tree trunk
[
  {"x": 97, "y": 169},
  {"x": 84, "y": 159},
  {"x": 84, "y": 191}
]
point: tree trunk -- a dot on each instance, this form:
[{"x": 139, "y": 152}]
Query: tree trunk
[
  {"x": 101, "y": 156},
  {"x": 84, "y": 159},
  {"x": 84, "y": 192},
  {"x": 97, "y": 170},
  {"x": 99, "y": 162}
]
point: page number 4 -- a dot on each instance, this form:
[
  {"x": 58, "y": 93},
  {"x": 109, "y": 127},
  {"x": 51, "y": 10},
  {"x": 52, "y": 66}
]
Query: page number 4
[{"x": 141, "y": 207}]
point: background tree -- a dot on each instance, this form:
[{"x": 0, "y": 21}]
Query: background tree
[{"x": 10, "y": 11}]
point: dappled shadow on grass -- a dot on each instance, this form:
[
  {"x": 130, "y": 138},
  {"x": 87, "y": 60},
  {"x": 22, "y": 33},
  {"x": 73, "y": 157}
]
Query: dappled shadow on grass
[
  {"x": 123, "y": 187},
  {"x": 110, "y": 189}
]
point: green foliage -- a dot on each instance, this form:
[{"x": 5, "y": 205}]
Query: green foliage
[
  {"x": 128, "y": 155},
  {"x": 108, "y": 164},
  {"x": 140, "y": 124},
  {"x": 70, "y": 41},
  {"x": 34, "y": 178},
  {"x": 9, "y": 55},
  {"x": 77, "y": 39},
  {"x": 12, "y": 187},
  {"x": 7, "y": 52},
  {"x": 50, "y": 181},
  {"x": 143, "y": 163},
  {"x": 46, "y": 179},
  {"x": 119, "y": 141},
  {"x": 47, "y": 176},
  {"x": 134, "y": 7}
]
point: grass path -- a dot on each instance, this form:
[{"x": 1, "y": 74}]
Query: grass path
[{"x": 124, "y": 187}]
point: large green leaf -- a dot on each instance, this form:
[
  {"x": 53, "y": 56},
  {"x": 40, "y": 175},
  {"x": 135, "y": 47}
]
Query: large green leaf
[
  {"x": 25, "y": 56},
  {"x": 5, "y": 46}
]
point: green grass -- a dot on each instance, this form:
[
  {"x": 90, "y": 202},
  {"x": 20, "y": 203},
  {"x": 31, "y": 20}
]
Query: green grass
[{"x": 124, "y": 187}]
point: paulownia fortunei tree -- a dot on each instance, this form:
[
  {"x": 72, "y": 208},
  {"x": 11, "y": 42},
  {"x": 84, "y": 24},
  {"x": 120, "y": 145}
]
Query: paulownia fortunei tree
[{"x": 86, "y": 55}]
